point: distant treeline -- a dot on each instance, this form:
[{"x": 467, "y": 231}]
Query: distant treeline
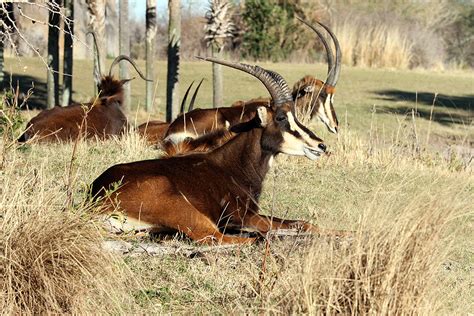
[{"x": 383, "y": 33}]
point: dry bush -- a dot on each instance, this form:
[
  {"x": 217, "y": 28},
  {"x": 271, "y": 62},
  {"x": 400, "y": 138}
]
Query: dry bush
[
  {"x": 373, "y": 44},
  {"x": 396, "y": 34},
  {"x": 51, "y": 259}
]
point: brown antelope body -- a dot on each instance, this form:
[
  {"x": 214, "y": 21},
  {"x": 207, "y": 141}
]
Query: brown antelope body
[
  {"x": 153, "y": 131},
  {"x": 102, "y": 117},
  {"x": 201, "y": 194},
  {"x": 202, "y": 121}
]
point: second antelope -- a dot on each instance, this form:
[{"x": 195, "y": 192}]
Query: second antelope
[
  {"x": 202, "y": 194},
  {"x": 102, "y": 117},
  {"x": 312, "y": 97}
]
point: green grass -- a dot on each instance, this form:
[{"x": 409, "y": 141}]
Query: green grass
[
  {"x": 360, "y": 92},
  {"x": 383, "y": 178}
]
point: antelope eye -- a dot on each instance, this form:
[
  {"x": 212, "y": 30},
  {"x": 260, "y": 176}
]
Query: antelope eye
[{"x": 280, "y": 118}]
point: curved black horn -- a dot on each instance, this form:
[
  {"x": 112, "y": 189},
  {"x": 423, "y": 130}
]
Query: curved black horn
[
  {"x": 183, "y": 103},
  {"x": 285, "y": 89},
  {"x": 337, "y": 68},
  {"x": 269, "y": 79},
  {"x": 329, "y": 53},
  {"x": 193, "y": 99},
  {"x": 98, "y": 55},
  {"x": 123, "y": 57}
]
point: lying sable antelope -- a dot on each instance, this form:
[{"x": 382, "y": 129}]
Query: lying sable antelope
[
  {"x": 311, "y": 96},
  {"x": 102, "y": 117},
  {"x": 202, "y": 194},
  {"x": 155, "y": 131}
]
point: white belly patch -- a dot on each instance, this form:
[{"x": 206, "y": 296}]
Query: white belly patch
[{"x": 119, "y": 223}]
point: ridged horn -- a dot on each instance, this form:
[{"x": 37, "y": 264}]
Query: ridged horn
[
  {"x": 329, "y": 53},
  {"x": 193, "y": 99},
  {"x": 183, "y": 103},
  {"x": 269, "y": 79},
  {"x": 123, "y": 57}
]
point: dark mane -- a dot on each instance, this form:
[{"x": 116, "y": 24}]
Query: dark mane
[{"x": 111, "y": 89}]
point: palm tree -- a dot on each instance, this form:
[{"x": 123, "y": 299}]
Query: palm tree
[
  {"x": 150, "y": 50},
  {"x": 218, "y": 29},
  {"x": 174, "y": 43}
]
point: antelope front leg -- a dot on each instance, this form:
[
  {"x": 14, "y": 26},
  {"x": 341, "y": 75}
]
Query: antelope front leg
[{"x": 265, "y": 223}]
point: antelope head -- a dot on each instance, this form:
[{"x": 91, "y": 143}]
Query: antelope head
[
  {"x": 315, "y": 96},
  {"x": 282, "y": 132}
]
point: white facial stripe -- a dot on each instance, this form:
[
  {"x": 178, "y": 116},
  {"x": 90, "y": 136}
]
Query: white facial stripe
[
  {"x": 327, "y": 108},
  {"x": 294, "y": 127}
]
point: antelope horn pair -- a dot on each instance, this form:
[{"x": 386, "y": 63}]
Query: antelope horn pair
[
  {"x": 275, "y": 83},
  {"x": 115, "y": 61},
  {"x": 334, "y": 68}
]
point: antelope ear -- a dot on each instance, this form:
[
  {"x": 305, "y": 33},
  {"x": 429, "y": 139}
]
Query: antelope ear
[{"x": 262, "y": 115}]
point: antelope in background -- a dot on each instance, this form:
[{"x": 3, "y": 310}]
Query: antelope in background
[
  {"x": 202, "y": 194},
  {"x": 154, "y": 131},
  {"x": 310, "y": 95},
  {"x": 102, "y": 117}
]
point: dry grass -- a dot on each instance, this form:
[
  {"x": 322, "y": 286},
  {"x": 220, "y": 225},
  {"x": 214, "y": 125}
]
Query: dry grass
[
  {"x": 392, "y": 266},
  {"x": 373, "y": 44},
  {"x": 51, "y": 259}
]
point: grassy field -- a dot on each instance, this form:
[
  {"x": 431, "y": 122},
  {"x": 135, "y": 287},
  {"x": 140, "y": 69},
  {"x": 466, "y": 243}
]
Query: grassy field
[{"x": 401, "y": 181}]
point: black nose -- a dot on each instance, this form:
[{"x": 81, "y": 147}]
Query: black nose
[{"x": 322, "y": 147}]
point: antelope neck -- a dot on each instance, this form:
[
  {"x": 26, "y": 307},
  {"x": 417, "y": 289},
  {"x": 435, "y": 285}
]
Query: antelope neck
[{"x": 244, "y": 158}]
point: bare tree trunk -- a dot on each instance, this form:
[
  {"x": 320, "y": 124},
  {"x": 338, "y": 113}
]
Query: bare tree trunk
[
  {"x": 2, "y": 60},
  {"x": 124, "y": 39},
  {"x": 53, "y": 55},
  {"x": 217, "y": 79},
  {"x": 68, "y": 52},
  {"x": 150, "y": 51},
  {"x": 174, "y": 42},
  {"x": 97, "y": 25}
]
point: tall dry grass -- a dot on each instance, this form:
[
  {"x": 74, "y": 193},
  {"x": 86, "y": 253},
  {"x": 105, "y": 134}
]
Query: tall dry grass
[
  {"x": 373, "y": 43},
  {"x": 392, "y": 266},
  {"x": 51, "y": 260}
]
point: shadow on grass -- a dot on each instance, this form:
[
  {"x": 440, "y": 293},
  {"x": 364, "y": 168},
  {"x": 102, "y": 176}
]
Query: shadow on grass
[
  {"x": 447, "y": 109},
  {"x": 38, "y": 99}
]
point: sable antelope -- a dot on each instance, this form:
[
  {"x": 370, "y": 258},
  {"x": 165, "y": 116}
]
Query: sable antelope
[
  {"x": 201, "y": 194},
  {"x": 102, "y": 117},
  {"x": 154, "y": 131},
  {"x": 311, "y": 96},
  {"x": 314, "y": 96}
]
